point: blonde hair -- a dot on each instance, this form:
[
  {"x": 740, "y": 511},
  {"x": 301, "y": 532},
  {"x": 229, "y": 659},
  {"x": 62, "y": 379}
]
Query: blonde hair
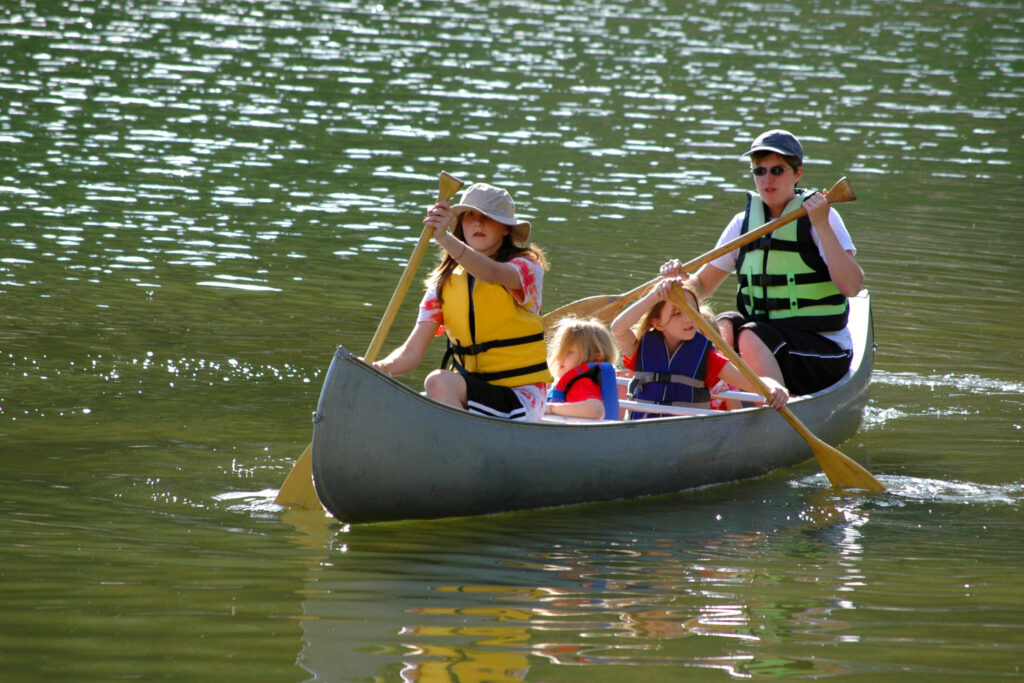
[
  {"x": 646, "y": 322},
  {"x": 595, "y": 340}
]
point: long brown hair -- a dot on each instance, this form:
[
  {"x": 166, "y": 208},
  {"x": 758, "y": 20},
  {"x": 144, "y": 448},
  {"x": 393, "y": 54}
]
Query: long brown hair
[{"x": 506, "y": 252}]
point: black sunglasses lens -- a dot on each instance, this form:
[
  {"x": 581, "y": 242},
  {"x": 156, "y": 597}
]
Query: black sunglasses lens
[{"x": 774, "y": 170}]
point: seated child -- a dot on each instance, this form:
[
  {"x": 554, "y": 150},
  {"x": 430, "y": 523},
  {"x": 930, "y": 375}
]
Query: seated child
[
  {"x": 673, "y": 363},
  {"x": 581, "y": 357}
]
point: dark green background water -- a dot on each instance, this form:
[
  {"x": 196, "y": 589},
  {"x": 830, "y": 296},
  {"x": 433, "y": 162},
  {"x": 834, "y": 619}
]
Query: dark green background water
[{"x": 199, "y": 200}]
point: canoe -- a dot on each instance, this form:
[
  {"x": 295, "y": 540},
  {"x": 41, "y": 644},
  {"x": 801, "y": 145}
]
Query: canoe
[{"x": 383, "y": 451}]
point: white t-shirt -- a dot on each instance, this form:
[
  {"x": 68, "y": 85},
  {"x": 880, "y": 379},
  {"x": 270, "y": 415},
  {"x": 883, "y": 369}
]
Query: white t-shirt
[{"x": 727, "y": 262}]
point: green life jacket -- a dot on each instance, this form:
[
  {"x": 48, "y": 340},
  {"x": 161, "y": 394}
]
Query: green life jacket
[{"x": 782, "y": 276}]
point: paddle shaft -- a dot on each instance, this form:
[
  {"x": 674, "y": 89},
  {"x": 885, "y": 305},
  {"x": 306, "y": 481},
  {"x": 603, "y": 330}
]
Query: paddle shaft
[
  {"x": 840, "y": 192},
  {"x": 840, "y": 470},
  {"x": 444, "y": 193}
]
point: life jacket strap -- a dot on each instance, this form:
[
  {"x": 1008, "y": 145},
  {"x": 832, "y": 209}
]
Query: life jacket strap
[
  {"x": 642, "y": 377},
  {"x": 779, "y": 279},
  {"x": 766, "y": 305},
  {"x": 473, "y": 349},
  {"x": 450, "y": 357}
]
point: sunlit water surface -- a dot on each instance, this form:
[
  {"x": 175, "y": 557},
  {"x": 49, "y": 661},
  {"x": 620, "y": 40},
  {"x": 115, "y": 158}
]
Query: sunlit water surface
[{"x": 200, "y": 200}]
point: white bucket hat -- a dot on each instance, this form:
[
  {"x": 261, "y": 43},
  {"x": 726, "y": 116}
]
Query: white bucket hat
[{"x": 495, "y": 203}]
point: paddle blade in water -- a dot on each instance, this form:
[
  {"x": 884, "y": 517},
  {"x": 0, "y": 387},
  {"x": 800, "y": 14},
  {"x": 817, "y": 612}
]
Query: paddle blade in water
[
  {"x": 841, "y": 470},
  {"x": 297, "y": 489}
]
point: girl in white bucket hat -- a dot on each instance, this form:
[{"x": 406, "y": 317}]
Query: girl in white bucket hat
[{"x": 486, "y": 296}]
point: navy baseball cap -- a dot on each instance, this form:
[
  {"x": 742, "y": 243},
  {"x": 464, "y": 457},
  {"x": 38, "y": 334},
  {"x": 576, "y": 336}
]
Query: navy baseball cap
[{"x": 779, "y": 141}]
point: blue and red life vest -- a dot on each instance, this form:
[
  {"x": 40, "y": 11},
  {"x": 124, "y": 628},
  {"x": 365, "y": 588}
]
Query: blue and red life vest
[
  {"x": 677, "y": 380},
  {"x": 603, "y": 374}
]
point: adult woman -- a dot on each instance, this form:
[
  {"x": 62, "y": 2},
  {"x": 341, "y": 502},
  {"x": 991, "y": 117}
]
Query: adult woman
[{"x": 793, "y": 284}]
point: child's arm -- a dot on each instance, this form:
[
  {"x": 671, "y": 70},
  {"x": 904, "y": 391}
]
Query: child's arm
[
  {"x": 779, "y": 398},
  {"x": 622, "y": 326},
  {"x": 479, "y": 265},
  {"x": 592, "y": 408},
  {"x": 409, "y": 355}
]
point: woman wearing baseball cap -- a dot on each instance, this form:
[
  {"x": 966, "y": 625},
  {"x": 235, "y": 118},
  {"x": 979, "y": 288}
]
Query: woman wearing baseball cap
[
  {"x": 486, "y": 296},
  {"x": 793, "y": 284}
]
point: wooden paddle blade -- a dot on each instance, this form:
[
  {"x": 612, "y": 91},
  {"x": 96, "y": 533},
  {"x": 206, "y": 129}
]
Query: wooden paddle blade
[
  {"x": 842, "y": 471},
  {"x": 297, "y": 489},
  {"x": 841, "y": 192},
  {"x": 604, "y": 307},
  {"x": 449, "y": 185}
]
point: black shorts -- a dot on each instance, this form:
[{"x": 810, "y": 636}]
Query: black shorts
[
  {"x": 809, "y": 362},
  {"x": 491, "y": 400}
]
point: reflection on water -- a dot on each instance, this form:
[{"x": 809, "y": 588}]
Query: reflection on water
[
  {"x": 702, "y": 592},
  {"x": 199, "y": 200}
]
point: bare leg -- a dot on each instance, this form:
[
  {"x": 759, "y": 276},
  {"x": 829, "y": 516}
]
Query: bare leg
[
  {"x": 447, "y": 387},
  {"x": 758, "y": 356}
]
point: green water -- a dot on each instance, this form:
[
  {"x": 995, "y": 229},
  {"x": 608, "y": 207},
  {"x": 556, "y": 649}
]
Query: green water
[{"x": 200, "y": 200}]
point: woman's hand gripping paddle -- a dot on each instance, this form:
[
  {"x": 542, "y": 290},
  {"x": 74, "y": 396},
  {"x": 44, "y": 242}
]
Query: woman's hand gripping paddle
[
  {"x": 840, "y": 470},
  {"x": 297, "y": 489}
]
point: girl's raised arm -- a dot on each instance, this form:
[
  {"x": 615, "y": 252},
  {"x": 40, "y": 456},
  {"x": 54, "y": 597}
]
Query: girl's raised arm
[
  {"x": 481, "y": 266},
  {"x": 622, "y": 326}
]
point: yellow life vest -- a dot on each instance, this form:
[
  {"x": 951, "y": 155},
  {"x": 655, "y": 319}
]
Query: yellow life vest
[{"x": 490, "y": 336}]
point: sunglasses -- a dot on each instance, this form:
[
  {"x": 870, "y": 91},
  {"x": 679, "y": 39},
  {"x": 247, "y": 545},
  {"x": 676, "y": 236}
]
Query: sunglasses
[{"x": 774, "y": 170}]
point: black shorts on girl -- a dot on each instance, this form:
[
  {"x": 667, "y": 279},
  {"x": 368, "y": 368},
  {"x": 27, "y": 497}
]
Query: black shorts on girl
[
  {"x": 809, "y": 362},
  {"x": 491, "y": 400}
]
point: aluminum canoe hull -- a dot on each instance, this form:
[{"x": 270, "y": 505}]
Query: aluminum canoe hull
[{"x": 382, "y": 451}]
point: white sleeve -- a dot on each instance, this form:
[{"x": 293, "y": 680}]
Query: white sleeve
[{"x": 842, "y": 234}]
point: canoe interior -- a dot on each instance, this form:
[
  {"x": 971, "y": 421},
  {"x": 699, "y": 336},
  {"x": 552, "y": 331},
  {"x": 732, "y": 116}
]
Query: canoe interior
[{"x": 382, "y": 451}]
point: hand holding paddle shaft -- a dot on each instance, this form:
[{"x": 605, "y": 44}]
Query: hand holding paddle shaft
[
  {"x": 606, "y": 307},
  {"x": 297, "y": 489},
  {"x": 840, "y": 470}
]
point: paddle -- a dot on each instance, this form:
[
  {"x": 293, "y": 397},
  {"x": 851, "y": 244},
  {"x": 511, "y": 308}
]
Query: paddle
[
  {"x": 840, "y": 470},
  {"x": 605, "y": 307},
  {"x": 297, "y": 489}
]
